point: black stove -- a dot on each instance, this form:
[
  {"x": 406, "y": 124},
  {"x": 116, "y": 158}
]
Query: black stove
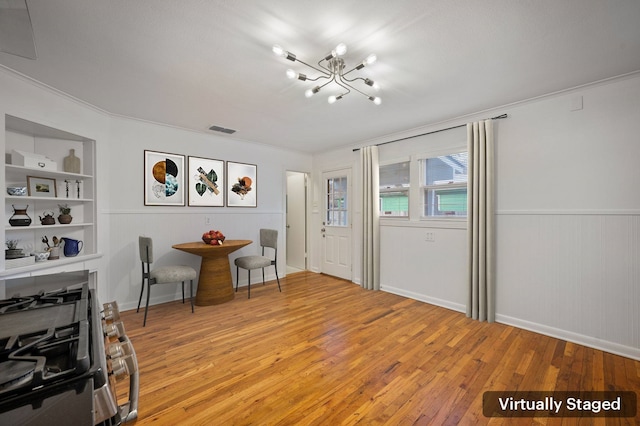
[{"x": 60, "y": 358}]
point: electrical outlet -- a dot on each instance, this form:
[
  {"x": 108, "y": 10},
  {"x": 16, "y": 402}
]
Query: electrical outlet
[
  {"x": 207, "y": 220},
  {"x": 430, "y": 237}
]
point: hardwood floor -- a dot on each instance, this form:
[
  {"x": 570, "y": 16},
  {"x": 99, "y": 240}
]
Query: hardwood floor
[{"x": 327, "y": 352}]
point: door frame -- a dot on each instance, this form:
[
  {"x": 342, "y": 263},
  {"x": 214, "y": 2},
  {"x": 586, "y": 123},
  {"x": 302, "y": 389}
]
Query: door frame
[{"x": 306, "y": 215}]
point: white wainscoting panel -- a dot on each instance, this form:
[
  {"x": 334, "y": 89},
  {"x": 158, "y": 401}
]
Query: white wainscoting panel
[
  {"x": 423, "y": 263},
  {"x": 574, "y": 276}
]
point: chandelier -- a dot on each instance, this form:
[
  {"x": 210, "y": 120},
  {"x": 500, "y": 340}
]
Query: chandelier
[{"x": 332, "y": 69}]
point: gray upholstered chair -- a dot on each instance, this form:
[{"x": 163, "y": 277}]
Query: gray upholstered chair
[
  {"x": 268, "y": 238},
  {"x": 161, "y": 275}
]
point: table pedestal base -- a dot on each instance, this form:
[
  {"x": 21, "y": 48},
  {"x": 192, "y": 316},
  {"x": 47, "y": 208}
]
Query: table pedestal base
[
  {"x": 214, "y": 283},
  {"x": 219, "y": 288}
]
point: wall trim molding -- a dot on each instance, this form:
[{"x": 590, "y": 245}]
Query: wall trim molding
[
  {"x": 192, "y": 210},
  {"x": 426, "y": 223},
  {"x": 581, "y": 339},
  {"x": 577, "y": 212}
]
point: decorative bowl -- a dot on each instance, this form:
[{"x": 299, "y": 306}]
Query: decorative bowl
[
  {"x": 17, "y": 190},
  {"x": 41, "y": 257},
  {"x": 207, "y": 240}
]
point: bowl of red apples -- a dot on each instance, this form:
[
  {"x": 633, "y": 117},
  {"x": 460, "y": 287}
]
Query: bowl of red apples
[{"x": 213, "y": 237}]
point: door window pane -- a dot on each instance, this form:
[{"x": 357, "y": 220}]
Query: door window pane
[{"x": 336, "y": 199}]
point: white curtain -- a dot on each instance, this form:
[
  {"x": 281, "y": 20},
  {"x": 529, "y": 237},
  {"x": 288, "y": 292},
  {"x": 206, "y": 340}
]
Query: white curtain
[
  {"x": 481, "y": 219},
  {"x": 370, "y": 218}
]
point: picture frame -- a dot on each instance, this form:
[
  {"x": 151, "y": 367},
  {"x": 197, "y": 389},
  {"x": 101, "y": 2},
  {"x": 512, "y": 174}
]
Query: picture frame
[
  {"x": 242, "y": 189},
  {"x": 206, "y": 182},
  {"x": 41, "y": 187},
  {"x": 164, "y": 177}
]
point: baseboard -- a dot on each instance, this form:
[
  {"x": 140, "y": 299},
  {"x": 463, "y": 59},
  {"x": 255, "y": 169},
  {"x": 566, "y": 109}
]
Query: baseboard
[
  {"x": 422, "y": 298},
  {"x": 604, "y": 345},
  {"x": 592, "y": 342},
  {"x": 156, "y": 300}
]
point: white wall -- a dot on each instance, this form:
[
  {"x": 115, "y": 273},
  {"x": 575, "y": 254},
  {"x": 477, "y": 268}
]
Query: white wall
[
  {"x": 122, "y": 216},
  {"x": 568, "y": 218},
  {"x": 129, "y": 217}
]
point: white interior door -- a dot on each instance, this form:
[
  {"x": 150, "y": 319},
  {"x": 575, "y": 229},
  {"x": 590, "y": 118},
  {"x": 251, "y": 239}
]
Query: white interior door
[
  {"x": 336, "y": 224},
  {"x": 296, "y": 221}
]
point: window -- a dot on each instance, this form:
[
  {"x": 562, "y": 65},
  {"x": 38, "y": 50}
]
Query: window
[
  {"x": 336, "y": 194},
  {"x": 394, "y": 190},
  {"x": 444, "y": 185}
]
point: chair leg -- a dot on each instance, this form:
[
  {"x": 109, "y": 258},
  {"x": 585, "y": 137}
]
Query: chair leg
[
  {"x": 141, "y": 291},
  {"x": 248, "y": 283},
  {"x": 183, "y": 292},
  {"x": 262, "y": 276},
  {"x": 146, "y": 307},
  {"x": 191, "y": 294},
  {"x": 278, "y": 279},
  {"x": 237, "y": 277}
]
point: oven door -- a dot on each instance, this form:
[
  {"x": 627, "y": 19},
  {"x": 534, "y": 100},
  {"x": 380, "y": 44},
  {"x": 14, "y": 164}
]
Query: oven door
[{"x": 69, "y": 404}]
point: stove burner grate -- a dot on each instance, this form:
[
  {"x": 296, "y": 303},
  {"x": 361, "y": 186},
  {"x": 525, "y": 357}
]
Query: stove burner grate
[
  {"x": 15, "y": 374},
  {"x": 16, "y": 304}
]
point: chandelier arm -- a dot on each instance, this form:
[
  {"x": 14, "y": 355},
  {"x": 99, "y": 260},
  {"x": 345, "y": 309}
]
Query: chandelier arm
[
  {"x": 320, "y": 87},
  {"x": 346, "y": 83},
  {"x": 317, "y": 78},
  {"x": 358, "y": 67},
  {"x": 344, "y": 86},
  {"x": 352, "y": 80},
  {"x": 323, "y": 71}
]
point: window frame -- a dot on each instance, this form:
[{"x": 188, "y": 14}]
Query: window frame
[
  {"x": 404, "y": 189},
  {"x": 423, "y": 187}
]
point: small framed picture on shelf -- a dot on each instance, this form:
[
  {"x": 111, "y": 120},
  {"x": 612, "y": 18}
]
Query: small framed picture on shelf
[{"x": 41, "y": 187}]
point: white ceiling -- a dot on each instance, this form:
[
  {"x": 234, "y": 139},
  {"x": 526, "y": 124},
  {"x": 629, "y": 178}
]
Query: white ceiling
[{"x": 196, "y": 63}]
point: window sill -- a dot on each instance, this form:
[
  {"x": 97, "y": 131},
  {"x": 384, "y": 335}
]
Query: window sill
[{"x": 449, "y": 223}]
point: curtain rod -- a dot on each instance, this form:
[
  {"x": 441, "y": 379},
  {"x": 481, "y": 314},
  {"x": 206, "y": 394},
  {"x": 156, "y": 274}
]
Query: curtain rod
[{"x": 499, "y": 117}]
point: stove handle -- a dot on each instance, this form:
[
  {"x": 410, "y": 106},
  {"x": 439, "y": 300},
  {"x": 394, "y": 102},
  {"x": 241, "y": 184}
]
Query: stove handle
[{"x": 129, "y": 410}]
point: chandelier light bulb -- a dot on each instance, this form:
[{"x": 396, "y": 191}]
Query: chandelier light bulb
[
  {"x": 291, "y": 74},
  {"x": 331, "y": 99},
  {"x": 281, "y": 52},
  {"x": 341, "y": 49},
  {"x": 371, "y": 59},
  {"x": 310, "y": 92},
  {"x": 278, "y": 50},
  {"x": 376, "y": 100},
  {"x": 372, "y": 83}
]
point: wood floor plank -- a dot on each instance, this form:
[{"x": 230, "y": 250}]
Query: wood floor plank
[{"x": 327, "y": 352}]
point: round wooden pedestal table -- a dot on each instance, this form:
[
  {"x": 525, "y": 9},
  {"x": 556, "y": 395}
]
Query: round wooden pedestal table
[{"x": 214, "y": 284}]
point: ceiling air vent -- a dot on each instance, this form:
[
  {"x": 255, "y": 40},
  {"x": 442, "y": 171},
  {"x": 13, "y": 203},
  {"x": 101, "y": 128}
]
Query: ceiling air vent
[{"x": 221, "y": 129}]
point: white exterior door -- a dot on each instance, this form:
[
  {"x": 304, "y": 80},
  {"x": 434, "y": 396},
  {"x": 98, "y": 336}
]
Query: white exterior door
[{"x": 336, "y": 224}]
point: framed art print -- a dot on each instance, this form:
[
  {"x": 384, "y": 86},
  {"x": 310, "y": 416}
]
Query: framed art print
[
  {"x": 206, "y": 182},
  {"x": 242, "y": 190},
  {"x": 41, "y": 187},
  {"x": 163, "y": 179}
]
